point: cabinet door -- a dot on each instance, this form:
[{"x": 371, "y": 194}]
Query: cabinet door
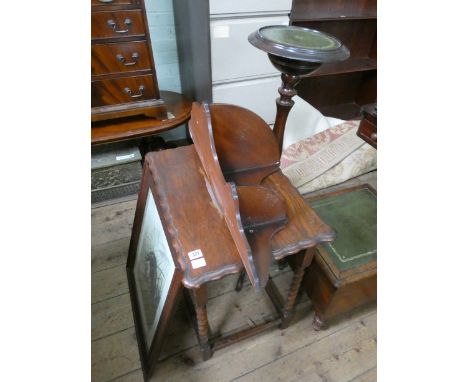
[
  {"x": 232, "y": 56},
  {"x": 257, "y": 95},
  {"x": 249, "y": 6}
]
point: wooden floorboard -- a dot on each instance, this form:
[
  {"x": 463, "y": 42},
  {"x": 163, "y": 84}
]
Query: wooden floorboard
[{"x": 346, "y": 352}]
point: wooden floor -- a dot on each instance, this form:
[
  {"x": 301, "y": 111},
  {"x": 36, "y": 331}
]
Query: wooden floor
[{"x": 345, "y": 352}]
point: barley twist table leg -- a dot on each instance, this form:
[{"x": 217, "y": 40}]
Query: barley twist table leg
[
  {"x": 304, "y": 260},
  {"x": 202, "y": 323},
  {"x": 291, "y": 299},
  {"x": 200, "y": 299}
]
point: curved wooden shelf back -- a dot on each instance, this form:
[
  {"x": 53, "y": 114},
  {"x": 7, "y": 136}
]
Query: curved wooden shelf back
[
  {"x": 224, "y": 194},
  {"x": 246, "y": 146}
]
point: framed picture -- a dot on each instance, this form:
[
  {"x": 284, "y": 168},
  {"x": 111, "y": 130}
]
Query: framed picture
[{"x": 153, "y": 277}]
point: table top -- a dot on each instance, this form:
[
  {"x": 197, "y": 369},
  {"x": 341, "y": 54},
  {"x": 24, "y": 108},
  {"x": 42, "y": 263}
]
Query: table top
[
  {"x": 196, "y": 223},
  {"x": 140, "y": 126}
]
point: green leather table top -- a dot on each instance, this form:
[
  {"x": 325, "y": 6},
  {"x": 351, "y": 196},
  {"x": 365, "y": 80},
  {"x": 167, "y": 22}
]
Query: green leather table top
[{"x": 353, "y": 215}]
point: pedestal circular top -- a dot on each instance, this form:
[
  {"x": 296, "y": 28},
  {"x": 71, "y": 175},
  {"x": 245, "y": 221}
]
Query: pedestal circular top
[{"x": 298, "y": 43}]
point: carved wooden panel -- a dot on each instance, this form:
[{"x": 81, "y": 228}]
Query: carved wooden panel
[{"x": 223, "y": 194}]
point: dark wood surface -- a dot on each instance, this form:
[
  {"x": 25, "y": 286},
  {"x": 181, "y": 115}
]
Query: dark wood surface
[
  {"x": 122, "y": 90},
  {"x": 368, "y": 127},
  {"x": 135, "y": 57},
  {"x": 108, "y": 131},
  {"x": 339, "y": 90},
  {"x": 247, "y": 150},
  {"x": 334, "y": 9},
  {"x": 263, "y": 214},
  {"x": 224, "y": 195},
  {"x": 194, "y": 222},
  {"x": 112, "y": 2},
  {"x": 102, "y": 29},
  {"x": 123, "y": 75},
  {"x": 305, "y": 229},
  {"x": 150, "y": 352}
]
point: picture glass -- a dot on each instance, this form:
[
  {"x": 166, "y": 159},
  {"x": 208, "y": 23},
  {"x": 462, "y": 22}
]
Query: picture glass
[{"x": 153, "y": 271}]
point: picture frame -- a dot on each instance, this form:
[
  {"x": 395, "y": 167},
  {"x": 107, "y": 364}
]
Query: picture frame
[{"x": 154, "y": 278}]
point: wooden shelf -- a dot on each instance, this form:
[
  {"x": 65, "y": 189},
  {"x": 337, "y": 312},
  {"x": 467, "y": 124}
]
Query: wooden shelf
[
  {"x": 351, "y": 65},
  {"x": 141, "y": 126},
  {"x": 336, "y": 18},
  {"x": 339, "y": 89}
]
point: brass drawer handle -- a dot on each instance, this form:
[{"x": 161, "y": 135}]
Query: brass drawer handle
[
  {"x": 106, "y": 1},
  {"x": 122, "y": 59},
  {"x": 113, "y": 25},
  {"x": 373, "y": 136},
  {"x": 130, "y": 93}
]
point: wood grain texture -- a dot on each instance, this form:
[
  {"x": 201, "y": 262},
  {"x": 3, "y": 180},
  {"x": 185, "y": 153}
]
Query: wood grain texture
[
  {"x": 113, "y": 356},
  {"x": 305, "y": 229},
  {"x": 121, "y": 51},
  {"x": 111, "y": 92},
  {"x": 223, "y": 195},
  {"x": 112, "y": 2},
  {"x": 101, "y": 29},
  {"x": 191, "y": 215},
  {"x": 340, "y": 90},
  {"x": 247, "y": 150},
  {"x": 356, "y": 348},
  {"x": 105, "y": 58},
  {"x": 178, "y": 107},
  {"x": 263, "y": 214},
  {"x": 112, "y": 282},
  {"x": 334, "y": 9}
]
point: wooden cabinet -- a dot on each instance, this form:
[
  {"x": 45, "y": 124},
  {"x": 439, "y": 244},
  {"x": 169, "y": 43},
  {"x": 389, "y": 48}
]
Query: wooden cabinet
[
  {"x": 123, "y": 75},
  {"x": 340, "y": 89},
  {"x": 218, "y": 64}
]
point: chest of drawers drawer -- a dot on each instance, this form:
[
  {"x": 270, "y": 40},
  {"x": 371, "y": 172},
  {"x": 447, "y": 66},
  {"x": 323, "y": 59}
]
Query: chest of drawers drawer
[
  {"x": 122, "y": 90},
  {"x": 119, "y": 58},
  {"x": 117, "y": 24}
]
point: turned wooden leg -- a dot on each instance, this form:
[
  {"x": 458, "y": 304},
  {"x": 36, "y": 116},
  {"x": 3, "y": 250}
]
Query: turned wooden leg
[
  {"x": 200, "y": 298},
  {"x": 318, "y": 323},
  {"x": 284, "y": 103},
  {"x": 304, "y": 260}
]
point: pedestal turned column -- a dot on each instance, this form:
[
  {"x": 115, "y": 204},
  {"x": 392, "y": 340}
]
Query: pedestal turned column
[{"x": 295, "y": 52}]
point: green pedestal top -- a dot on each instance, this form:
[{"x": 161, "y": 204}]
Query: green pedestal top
[
  {"x": 353, "y": 215},
  {"x": 299, "y": 38}
]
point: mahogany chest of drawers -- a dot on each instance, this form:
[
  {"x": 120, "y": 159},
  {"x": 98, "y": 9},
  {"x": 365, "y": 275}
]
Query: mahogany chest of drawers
[{"x": 123, "y": 75}]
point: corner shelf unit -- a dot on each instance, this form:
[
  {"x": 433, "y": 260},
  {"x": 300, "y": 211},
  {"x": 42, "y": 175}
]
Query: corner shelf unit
[{"x": 340, "y": 89}]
